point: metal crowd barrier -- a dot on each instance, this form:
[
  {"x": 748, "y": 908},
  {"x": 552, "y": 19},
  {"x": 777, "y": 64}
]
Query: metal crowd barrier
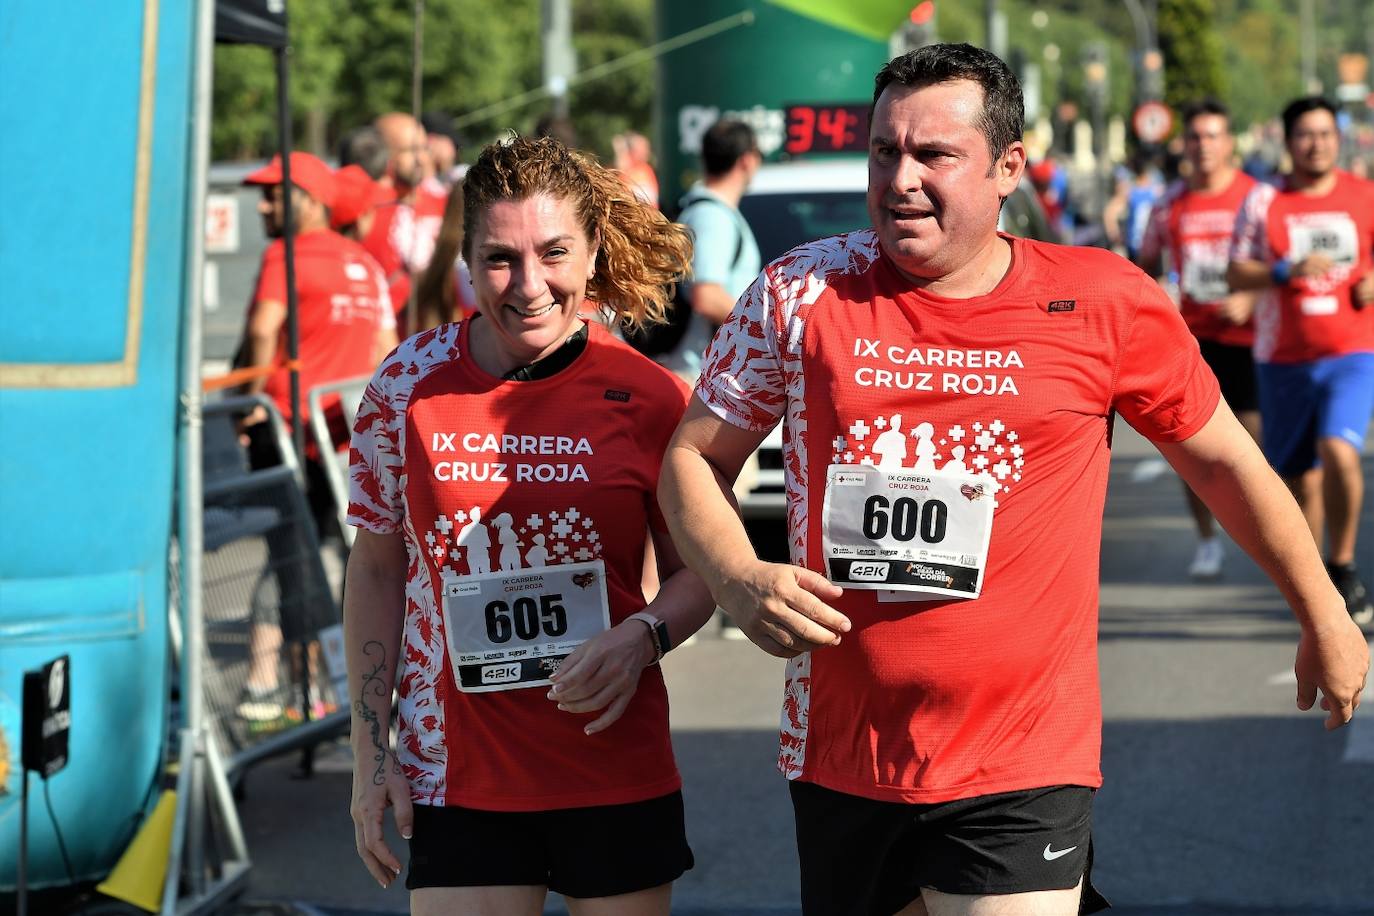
[
  {"x": 266, "y": 598},
  {"x": 350, "y": 393}
]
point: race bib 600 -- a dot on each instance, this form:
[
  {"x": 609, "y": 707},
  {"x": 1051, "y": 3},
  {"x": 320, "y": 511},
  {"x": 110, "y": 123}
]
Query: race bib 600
[{"x": 906, "y": 530}]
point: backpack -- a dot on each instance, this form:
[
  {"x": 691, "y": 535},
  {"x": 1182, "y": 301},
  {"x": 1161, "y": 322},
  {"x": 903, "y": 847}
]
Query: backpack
[{"x": 659, "y": 340}]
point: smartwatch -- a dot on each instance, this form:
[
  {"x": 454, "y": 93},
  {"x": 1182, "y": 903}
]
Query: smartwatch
[{"x": 658, "y": 632}]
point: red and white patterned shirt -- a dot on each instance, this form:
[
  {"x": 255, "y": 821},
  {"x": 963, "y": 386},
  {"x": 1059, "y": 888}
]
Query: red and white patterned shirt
[
  {"x": 482, "y": 474},
  {"x": 1196, "y": 228},
  {"x": 1310, "y": 318},
  {"x": 402, "y": 239},
  {"x": 945, "y": 699}
]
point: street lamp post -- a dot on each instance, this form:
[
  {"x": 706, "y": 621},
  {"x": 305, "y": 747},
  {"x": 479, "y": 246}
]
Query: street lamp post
[{"x": 1149, "y": 70}]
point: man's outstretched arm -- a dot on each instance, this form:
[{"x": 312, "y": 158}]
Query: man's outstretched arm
[
  {"x": 780, "y": 607},
  {"x": 1222, "y": 464}
]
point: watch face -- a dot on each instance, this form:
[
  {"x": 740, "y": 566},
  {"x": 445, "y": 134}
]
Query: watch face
[{"x": 664, "y": 641}]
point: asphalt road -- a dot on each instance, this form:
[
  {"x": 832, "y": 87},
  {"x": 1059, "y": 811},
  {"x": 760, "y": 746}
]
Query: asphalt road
[{"x": 1220, "y": 797}]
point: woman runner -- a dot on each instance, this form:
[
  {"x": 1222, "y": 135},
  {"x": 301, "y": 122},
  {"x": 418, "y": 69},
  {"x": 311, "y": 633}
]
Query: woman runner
[{"x": 532, "y": 744}]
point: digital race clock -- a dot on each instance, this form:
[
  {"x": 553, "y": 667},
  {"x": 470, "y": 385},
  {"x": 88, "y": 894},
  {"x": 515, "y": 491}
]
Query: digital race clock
[{"x": 826, "y": 129}]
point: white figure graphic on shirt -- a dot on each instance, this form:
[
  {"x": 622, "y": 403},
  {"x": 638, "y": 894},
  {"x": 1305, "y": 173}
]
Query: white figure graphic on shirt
[
  {"x": 925, "y": 447},
  {"x": 475, "y": 537},
  {"x": 890, "y": 446},
  {"x": 509, "y": 541},
  {"x": 957, "y": 462},
  {"x": 537, "y": 555}
]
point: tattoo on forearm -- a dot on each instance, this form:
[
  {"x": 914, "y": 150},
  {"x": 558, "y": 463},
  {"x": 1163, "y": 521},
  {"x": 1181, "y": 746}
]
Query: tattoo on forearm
[{"x": 375, "y": 685}]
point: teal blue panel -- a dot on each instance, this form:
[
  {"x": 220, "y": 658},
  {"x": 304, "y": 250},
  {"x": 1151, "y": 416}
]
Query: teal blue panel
[
  {"x": 69, "y": 145},
  {"x": 87, "y": 477}
]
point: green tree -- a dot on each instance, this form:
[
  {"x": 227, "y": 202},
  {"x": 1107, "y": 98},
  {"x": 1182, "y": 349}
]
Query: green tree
[
  {"x": 1192, "y": 51},
  {"x": 351, "y": 62}
]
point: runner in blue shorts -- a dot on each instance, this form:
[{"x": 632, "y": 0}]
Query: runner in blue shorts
[{"x": 1309, "y": 245}]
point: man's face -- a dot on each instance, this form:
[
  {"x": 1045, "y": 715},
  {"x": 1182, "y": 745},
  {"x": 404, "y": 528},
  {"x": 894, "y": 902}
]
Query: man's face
[
  {"x": 1208, "y": 144},
  {"x": 410, "y": 159},
  {"x": 442, "y": 153},
  {"x": 933, "y": 194},
  {"x": 305, "y": 211},
  {"x": 751, "y": 161},
  {"x": 272, "y": 212},
  {"x": 1314, "y": 143}
]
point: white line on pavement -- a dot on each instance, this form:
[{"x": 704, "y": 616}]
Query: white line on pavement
[
  {"x": 1148, "y": 470},
  {"x": 1283, "y": 677},
  {"x": 1359, "y": 743}
]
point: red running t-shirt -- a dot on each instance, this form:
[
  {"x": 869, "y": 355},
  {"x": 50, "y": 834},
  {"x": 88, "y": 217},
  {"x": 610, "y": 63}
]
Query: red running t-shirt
[
  {"x": 1311, "y": 318},
  {"x": 941, "y": 699},
  {"x": 480, "y": 474},
  {"x": 1196, "y": 227},
  {"x": 342, "y": 304},
  {"x": 402, "y": 239}
]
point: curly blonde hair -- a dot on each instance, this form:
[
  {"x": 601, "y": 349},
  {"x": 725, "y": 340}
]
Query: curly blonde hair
[{"x": 642, "y": 255}]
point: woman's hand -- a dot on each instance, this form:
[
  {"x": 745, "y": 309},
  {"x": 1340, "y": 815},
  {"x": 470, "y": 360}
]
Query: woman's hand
[
  {"x": 603, "y": 673},
  {"x": 378, "y": 784}
]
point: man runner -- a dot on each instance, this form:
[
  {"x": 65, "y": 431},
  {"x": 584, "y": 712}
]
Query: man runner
[
  {"x": 941, "y": 721},
  {"x": 1310, "y": 245},
  {"x": 1194, "y": 223}
]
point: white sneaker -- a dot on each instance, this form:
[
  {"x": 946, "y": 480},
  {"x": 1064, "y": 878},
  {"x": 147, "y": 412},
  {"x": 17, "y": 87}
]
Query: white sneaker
[{"x": 1207, "y": 559}]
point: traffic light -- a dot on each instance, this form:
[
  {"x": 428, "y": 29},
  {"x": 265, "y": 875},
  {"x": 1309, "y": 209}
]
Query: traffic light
[
  {"x": 1095, "y": 70},
  {"x": 918, "y": 31}
]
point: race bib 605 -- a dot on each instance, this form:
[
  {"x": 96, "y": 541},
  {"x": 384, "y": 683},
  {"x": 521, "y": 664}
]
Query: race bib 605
[{"x": 514, "y": 628}]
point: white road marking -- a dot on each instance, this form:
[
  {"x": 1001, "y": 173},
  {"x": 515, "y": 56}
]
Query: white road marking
[
  {"x": 1283, "y": 677},
  {"x": 1359, "y": 741},
  {"x": 1148, "y": 470}
]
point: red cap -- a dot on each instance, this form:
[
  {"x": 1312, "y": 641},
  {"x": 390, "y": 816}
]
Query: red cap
[
  {"x": 355, "y": 193},
  {"x": 1042, "y": 172},
  {"x": 307, "y": 173}
]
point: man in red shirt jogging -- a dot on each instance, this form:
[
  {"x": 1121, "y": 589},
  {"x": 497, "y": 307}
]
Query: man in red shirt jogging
[
  {"x": 1194, "y": 223},
  {"x": 346, "y": 326},
  {"x": 1309, "y": 246},
  {"x": 949, "y": 393}
]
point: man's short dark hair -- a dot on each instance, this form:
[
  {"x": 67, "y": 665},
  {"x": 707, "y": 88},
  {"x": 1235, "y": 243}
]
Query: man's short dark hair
[
  {"x": 441, "y": 123},
  {"x": 1299, "y": 107},
  {"x": 723, "y": 144},
  {"x": 1207, "y": 106},
  {"x": 365, "y": 148},
  {"x": 1003, "y": 120}
]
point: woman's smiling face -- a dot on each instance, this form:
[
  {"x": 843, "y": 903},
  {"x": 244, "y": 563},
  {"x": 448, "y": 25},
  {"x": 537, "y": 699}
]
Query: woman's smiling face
[{"x": 531, "y": 261}]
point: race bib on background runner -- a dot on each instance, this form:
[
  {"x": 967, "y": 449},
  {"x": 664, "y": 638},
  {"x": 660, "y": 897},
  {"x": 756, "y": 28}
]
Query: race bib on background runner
[
  {"x": 907, "y": 530},
  {"x": 1205, "y": 280},
  {"x": 513, "y": 629},
  {"x": 1335, "y": 237}
]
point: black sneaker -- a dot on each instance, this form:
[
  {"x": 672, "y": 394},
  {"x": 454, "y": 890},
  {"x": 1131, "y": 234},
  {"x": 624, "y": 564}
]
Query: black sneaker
[{"x": 1356, "y": 596}]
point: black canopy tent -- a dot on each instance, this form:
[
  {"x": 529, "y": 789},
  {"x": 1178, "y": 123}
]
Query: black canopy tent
[{"x": 263, "y": 22}]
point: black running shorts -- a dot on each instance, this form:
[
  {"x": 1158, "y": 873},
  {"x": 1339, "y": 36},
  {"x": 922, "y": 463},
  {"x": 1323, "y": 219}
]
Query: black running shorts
[
  {"x": 861, "y": 857},
  {"x": 1234, "y": 368},
  {"x": 600, "y": 851}
]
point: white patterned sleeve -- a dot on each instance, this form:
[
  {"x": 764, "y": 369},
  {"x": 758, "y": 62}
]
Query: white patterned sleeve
[
  {"x": 374, "y": 457},
  {"x": 1250, "y": 242},
  {"x": 742, "y": 378}
]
